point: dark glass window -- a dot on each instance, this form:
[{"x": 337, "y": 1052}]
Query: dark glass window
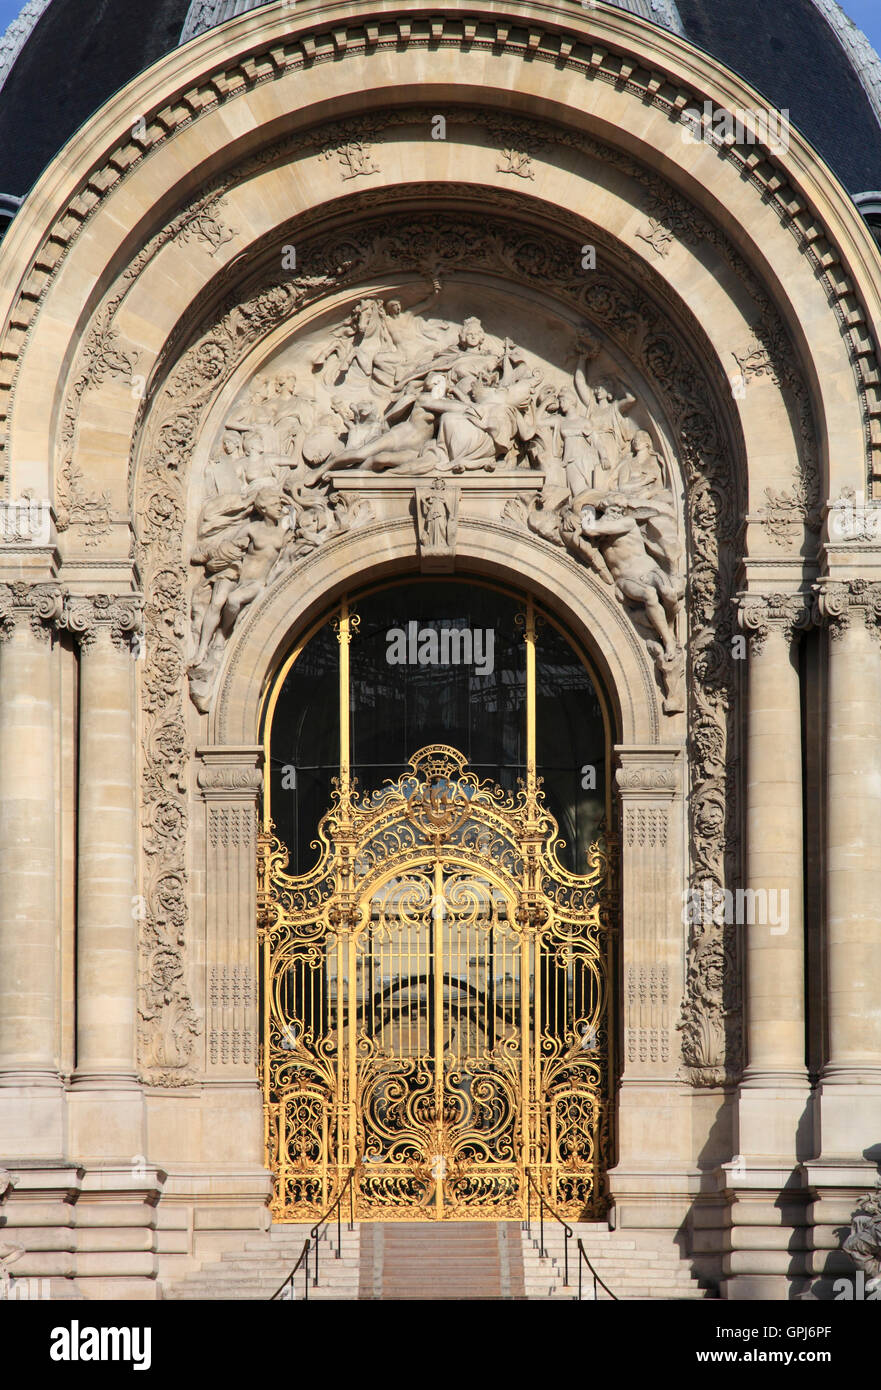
[
  {"x": 438, "y": 662},
  {"x": 305, "y": 747},
  {"x": 466, "y": 686},
  {"x": 570, "y": 745}
]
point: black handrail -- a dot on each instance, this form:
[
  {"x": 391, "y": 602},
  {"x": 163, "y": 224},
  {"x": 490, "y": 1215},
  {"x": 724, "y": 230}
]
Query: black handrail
[
  {"x": 567, "y": 1230},
  {"x": 582, "y": 1255},
  {"x": 335, "y": 1206},
  {"x": 304, "y": 1255}
]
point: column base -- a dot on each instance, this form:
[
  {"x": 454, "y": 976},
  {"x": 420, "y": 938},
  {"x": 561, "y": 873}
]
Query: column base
[
  {"x": 107, "y": 1121},
  {"x": 849, "y": 1103},
  {"x": 32, "y": 1118},
  {"x": 775, "y": 1119}
]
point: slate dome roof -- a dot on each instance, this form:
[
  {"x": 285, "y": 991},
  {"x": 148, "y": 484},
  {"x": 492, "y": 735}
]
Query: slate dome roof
[{"x": 62, "y": 59}]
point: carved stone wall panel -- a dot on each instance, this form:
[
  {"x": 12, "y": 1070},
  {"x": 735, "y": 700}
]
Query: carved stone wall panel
[
  {"x": 230, "y": 781},
  {"x": 653, "y": 874}
]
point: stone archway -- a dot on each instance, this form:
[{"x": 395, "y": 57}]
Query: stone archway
[{"x": 145, "y": 284}]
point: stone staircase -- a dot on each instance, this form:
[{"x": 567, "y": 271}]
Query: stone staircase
[
  {"x": 634, "y": 1264},
  {"x": 447, "y": 1261},
  {"x": 466, "y": 1261},
  {"x": 259, "y": 1269}
]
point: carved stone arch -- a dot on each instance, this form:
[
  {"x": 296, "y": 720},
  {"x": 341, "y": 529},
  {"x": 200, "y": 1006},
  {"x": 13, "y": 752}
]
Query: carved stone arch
[
  {"x": 713, "y": 503},
  {"x": 500, "y": 552},
  {"x": 617, "y": 32}
]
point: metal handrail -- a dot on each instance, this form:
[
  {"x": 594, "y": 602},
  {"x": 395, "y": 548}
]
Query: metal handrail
[
  {"x": 582, "y": 1255},
  {"x": 304, "y": 1255},
  {"x": 335, "y": 1206},
  {"x": 567, "y": 1229}
]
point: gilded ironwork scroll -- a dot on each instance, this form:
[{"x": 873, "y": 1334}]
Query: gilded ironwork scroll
[{"x": 436, "y": 1003}]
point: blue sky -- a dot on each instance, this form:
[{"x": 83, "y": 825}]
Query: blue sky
[{"x": 866, "y": 13}]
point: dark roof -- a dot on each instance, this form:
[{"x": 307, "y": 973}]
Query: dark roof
[
  {"x": 82, "y": 51},
  {"x": 79, "y": 54},
  {"x": 788, "y": 52}
]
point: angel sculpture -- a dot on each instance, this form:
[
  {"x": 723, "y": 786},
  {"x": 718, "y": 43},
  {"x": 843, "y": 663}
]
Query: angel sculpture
[{"x": 617, "y": 549}]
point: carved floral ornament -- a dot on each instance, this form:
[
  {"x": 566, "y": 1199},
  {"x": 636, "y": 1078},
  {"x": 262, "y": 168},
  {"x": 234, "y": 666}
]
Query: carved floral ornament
[
  {"x": 50, "y": 606},
  {"x": 760, "y": 614},
  {"x": 468, "y": 400},
  {"x": 841, "y": 602}
]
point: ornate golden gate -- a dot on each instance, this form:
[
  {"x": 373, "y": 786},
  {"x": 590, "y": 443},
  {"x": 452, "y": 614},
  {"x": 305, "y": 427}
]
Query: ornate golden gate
[{"x": 435, "y": 1004}]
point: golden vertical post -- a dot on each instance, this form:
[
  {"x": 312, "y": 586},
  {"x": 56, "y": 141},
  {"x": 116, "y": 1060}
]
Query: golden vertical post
[
  {"x": 529, "y": 636},
  {"x": 438, "y": 913},
  {"x": 345, "y": 637}
]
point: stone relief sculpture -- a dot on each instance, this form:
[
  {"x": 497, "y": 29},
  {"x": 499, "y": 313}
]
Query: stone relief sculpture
[
  {"x": 864, "y": 1242},
  {"x": 391, "y": 391}
]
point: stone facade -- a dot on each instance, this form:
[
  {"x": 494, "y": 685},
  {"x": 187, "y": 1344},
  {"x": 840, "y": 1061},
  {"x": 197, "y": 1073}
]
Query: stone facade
[{"x": 353, "y": 299}]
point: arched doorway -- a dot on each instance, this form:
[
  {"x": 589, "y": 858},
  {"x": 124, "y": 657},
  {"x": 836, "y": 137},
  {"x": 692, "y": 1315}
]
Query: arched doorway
[{"x": 436, "y": 910}]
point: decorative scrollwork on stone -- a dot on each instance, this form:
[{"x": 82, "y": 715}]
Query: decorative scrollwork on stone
[
  {"x": 101, "y": 357},
  {"x": 837, "y": 602},
  {"x": 770, "y": 355},
  {"x": 120, "y": 617},
  {"x": 757, "y": 614},
  {"x": 41, "y": 606},
  {"x": 516, "y": 162},
  {"x": 354, "y": 159}
]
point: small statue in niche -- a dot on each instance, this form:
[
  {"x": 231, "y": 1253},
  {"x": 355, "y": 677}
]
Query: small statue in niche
[{"x": 435, "y": 521}]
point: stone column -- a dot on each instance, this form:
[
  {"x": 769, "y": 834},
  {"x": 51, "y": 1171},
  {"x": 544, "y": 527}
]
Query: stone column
[
  {"x": 850, "y": 1107},
  {"x": 774, "y": 1088},
  {"x": 107, "y": 922},
  {"x": 29, "y": 974},
  {"x": 767, "y": 1237}
]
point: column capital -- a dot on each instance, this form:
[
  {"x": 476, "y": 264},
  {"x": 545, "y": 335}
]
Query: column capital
[
  {"x": 226, "y": 770},
  {"x": 760, "y": 614},
  {"x": 39, "y": 605},
  {"x": 838, "y": 602},
  {"x": 116, "y": 616},
  {"x": 653, "y": 771}
]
